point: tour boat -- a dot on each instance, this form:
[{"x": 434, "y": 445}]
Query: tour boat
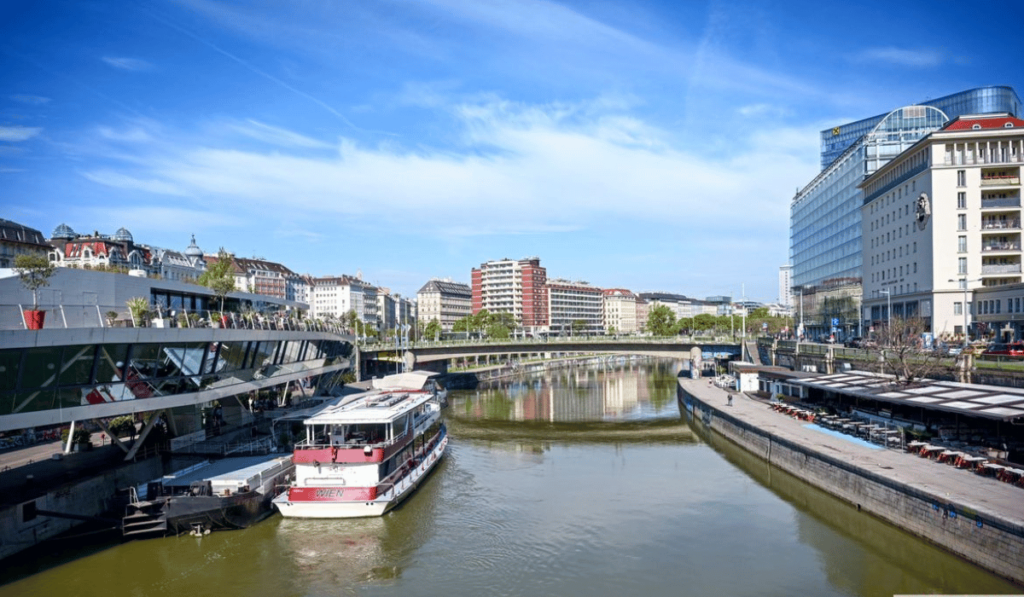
[
  {"x": 364, "y": 455},
  {"x": 232, "y": 493}
]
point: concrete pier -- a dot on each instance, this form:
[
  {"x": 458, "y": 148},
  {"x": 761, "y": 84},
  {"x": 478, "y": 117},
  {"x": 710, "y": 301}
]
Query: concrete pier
[{"x": 978, "y": 518}]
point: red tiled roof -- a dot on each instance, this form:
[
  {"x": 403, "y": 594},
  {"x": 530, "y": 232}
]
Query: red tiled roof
[{"x": 967, "y": 123}]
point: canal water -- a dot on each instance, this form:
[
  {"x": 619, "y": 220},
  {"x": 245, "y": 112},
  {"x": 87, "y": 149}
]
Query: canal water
[{"x": 583, "y": 481}]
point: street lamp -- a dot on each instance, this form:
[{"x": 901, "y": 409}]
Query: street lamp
[{"x": 888, "y": 325}]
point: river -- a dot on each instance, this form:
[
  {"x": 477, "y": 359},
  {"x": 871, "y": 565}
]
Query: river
[{"x": 583, "y": 481}]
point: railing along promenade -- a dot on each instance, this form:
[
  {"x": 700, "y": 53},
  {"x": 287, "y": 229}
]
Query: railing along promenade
[{"x": 674, "y": 346}]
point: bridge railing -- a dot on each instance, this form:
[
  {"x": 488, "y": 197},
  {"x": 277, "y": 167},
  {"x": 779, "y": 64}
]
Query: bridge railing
[{"x": 540, "y": 343}]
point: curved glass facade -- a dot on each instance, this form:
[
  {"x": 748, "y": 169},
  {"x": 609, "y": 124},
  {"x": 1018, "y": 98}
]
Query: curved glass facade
[
  {"x": 983, "y": 100},
  {"x": 61, "y": 377}
]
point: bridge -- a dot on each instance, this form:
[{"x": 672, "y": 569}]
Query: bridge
[{"x": 437, "y": 355}]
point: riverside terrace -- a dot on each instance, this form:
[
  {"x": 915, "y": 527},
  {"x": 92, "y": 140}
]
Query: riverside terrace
[
  {"x": 55, "y": 377},
  {"x": 972, "y": 426}
]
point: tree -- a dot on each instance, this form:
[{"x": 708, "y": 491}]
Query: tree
[
  {"x": 432, "y": 331},
  {"x": 661, "y": 321},
  {"x": 34, "y": 271},
  {"x": 578, "y": 325},
  {"x": 218, "y": 277},
  {"x": 902, "y": 353}
]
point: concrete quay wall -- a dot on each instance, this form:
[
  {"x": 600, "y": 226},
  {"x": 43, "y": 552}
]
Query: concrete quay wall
[
  {"x": 86, "y": 497},
  {"x": 977, "y": 518}
]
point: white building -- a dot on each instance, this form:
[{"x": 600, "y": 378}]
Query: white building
[
  {"x": 786, "y": 285},
  {"x": 620, "y": 311},
  {"x": 942, "y": 219},
  {"x": 444, "y": 301},
  {"x": 574, "y": 304},
  {"x": 338, "y": 295},
  {"x": 394, "y": 310}
]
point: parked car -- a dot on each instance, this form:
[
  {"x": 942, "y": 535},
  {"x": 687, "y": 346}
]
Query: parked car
[
  {"x": 1012, "y": 349},
  {"x": 856, "y": 342}
]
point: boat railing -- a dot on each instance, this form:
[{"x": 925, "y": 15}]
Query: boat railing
[
  {"x": 388, "y": 483},
  {"x": 322, "y": 443}
]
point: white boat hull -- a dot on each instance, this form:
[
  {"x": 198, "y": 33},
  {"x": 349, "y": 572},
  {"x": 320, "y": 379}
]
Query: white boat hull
[{"x": 361, "y": 509}]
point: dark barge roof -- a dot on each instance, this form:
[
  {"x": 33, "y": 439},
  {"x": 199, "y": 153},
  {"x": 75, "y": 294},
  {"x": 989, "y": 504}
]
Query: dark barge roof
[{"x": 991, "y": 402}]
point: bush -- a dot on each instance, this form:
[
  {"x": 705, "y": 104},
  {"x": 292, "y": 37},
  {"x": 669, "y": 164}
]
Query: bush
[
  {"x": 82, "y": 435},
  {"x": 122, "y": 426}
]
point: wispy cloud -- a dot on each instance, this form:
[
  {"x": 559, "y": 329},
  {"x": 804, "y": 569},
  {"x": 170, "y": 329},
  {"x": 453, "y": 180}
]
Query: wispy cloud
[
  {"x": 123, "y": 63},
  {"x": 134, "y": 134},
  {"x": 34, "y": 100},
  {"x": 521, "y": 169},
  {"x": 16, "y": 134},
  {"x": 124, "y": 181},
  {"x": 277, "y": 136},
  {"x": 901, "y": 57}
]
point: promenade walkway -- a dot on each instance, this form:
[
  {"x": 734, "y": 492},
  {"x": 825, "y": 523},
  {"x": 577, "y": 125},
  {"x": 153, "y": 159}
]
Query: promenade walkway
[{"x": 988, "y": 496}]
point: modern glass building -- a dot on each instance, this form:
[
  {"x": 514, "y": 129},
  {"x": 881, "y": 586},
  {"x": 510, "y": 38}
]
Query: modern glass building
[
  {"x": 826, "y": 251},
  {"x": 983, "y": 100}
]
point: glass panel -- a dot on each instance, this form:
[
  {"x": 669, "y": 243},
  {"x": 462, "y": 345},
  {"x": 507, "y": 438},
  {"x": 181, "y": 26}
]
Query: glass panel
[
  {"x": 77, "y": 367},
  {"x": 40, "y": 368},
  {"x": 10, "y": 361},
  {"x": 231, "y": 355},
  {"x": 111, "y": 361}
]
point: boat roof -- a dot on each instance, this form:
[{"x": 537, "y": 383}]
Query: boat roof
[
  {"x": 410, "y": 380},
  {"x": 238, "y": 469},
  {"x": 375, "y": 406}
]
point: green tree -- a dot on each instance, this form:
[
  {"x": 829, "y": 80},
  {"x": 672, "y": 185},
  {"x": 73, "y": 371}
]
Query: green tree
[
  {"x": 661, "y": 321},
  {"x": 578, "y": 325},
  {"x": 219, "y": 276},
  {"x": 432, "y": 330},
  {"x": 34, "y": 271}
]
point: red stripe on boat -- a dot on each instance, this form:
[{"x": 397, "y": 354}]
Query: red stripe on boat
[{"x": 332, "y": 494}]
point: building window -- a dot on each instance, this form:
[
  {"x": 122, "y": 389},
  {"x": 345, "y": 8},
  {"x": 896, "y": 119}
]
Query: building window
[
  {"x": 958, "y": 308},
  {"x": 961, "y": 200},
  {"x": 961, "y": 178},
  {"x": 961, "y": 222},
  {"x": 961, "y": 265},
  {"x": 961, "y": 244}
]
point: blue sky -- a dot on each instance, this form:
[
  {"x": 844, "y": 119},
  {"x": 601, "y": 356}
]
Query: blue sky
[{"x": 646, "y": 145}]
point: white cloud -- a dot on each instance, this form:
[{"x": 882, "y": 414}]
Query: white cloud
[
  {"x": 277, "y": 136},
  {"x": 901, "y": 57},
  {"x": 123, "y": 63},
  {"x": 34, "y": 100},
  {"x": 124, "y": 181},
  {"x": 16, "y": 134},
  {"x": 521, "y": 170},
  {"x": 133, "y": 135}
]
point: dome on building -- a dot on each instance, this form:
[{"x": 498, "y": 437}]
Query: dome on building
[
  {"x": 63, "y": 231},
  {"x": 122, "y": 234},
  {"x": 193, "y": 249}
]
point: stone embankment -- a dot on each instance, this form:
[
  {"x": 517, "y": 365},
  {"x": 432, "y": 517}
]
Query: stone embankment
[{"x": 978, "y": 518}]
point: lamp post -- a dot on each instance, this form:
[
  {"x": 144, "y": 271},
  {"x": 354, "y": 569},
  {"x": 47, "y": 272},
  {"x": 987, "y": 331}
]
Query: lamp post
[{"x": 888, "y": 325}]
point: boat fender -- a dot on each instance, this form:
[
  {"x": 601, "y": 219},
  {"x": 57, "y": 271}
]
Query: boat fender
[{"x": 334, "y": 454}]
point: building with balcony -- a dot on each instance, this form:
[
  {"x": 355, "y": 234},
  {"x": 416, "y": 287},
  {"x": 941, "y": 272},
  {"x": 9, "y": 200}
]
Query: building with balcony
[
  {"x": 444, "y": 301},
  {"x": 516, "y": 287},
  {"x": 983, "y": 100},
  {"x": 574, "y": 307},
  {"x": 826, "y": 248},
  {"x": 942, "y": 220},
  {"x": 620, "y": 311},
  {"x": 336, "y": 296},
  {"x": 16, "y": 239}
]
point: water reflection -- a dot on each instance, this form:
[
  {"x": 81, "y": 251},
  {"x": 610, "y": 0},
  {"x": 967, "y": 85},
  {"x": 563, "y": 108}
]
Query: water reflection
[{"x": 630, "y": 391}]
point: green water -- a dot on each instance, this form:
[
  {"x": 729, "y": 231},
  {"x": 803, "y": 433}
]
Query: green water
[{"x": 579, "y": 482}]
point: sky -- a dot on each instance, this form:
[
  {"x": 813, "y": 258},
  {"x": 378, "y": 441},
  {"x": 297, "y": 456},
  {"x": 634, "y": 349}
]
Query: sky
[{"x": 642, "y": 144}]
